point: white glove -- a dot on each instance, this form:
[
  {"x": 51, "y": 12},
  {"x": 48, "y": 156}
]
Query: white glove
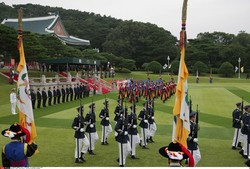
[
  {"x": 107, "y": 118},
  {"x": 145, "y": 121},
  {"x": 125, "y": 133},
  {"x": 189, "y": 138},
  {"x": 91, "y": 125},
  {"x": 134, "y": 126},
  {"x": 152, "y": 117},
  {"x": 195, "y": 140},
  {"x": 76, "y": 128},
  {"x": 81, "y": 130}
]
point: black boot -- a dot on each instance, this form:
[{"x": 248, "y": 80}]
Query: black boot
[
  {"x": 78, "y": 160},
  {"x": 151, "y": 139},
  {"x": 82, "y": 155},
  {"x": 134, "y": 157},
  {"x": 91, "y": 152},
  {"x": 144, "y": 147},
  {"x": 239, "y": 145}
]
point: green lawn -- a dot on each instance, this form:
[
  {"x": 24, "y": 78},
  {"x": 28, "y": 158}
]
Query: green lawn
[{"x": 216, "y": 102}]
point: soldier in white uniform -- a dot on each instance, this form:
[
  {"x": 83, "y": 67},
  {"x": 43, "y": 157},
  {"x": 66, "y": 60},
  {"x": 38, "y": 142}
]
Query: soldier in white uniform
[{"x": 13, "y": 101}]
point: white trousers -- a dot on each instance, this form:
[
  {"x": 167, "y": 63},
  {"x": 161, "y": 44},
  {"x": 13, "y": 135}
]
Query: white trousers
[
  {"x": 13, "y": 108},
  {"x": 246, "y": 145},
  {"x": 82, "y": 145},
  {"x": 238, "y": 137},
  {"x": 124, "y": 149},
  {"x": 93, "y": 137},
  {"x": 197, "y": 155},
  {"x": 134, "y": 141},
  {"x": 144, "y": 136},
  {"x": 152, "y": 129},
  {"x": 106, "y": 131}
]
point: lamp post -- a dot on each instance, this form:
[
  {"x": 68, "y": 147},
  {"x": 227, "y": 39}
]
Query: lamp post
[
  {"x": 239, "y": 66},
  {"x": 95, "y": 68},
  {"x": 168, "y": 64}
]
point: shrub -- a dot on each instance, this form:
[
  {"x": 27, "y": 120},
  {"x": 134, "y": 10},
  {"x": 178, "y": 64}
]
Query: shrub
[
  {"x": 226, "y": 69},
  {"x": 123, "y": 70},
  {"x": 201, "y": 67},
  {"x": 154, "y": 66},
  {"x": 175, "y": 66}
]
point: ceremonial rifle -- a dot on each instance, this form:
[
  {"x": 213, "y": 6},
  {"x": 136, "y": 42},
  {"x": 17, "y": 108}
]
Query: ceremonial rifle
[
  {"x": 242, "y": 107},
  {"x": 196, "y": 128}
]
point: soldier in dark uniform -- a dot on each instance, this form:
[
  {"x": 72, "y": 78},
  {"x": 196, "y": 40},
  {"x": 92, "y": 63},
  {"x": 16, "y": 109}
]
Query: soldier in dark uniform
[
  {"x": 75, "y": 92},
  {"x": 78, "y": 91},
  {"x": 106, "y": 127},
  {"x": 122, "y": 138},
  {"x": 151, "y": 121},
  {"x": 58, "y": 94},
  {"x": 82, "y": 142},
  {"x": 33, "y": 98},
  {"x": 54, "y": 94},
  {"x": 192, "y": 139},
  {"x": 39, "y": 98},
  {"x": 237, "y": 113},
  {"x": 44, "y": 96},
  {"x": 143, "y": 117},
  {"x": 71, "y": 92},
  {"x": 90, "y": 120},
  {"x": 63, "y": 94},
  {"x": 246, "y": 132},
  {"x": 132, "y": 131},
  {"x": 246, "y": 124},
  {"x": 118, "y": 112},
  {"x": 67, "y": 93},
  {"x": 81, "y": 90},
  {"x": 50, "y": 96},
  {"x": 84, "y": 90}
]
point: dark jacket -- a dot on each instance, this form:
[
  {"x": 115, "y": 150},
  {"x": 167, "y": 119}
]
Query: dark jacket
[
  {"x": 236, "y": 118},
  {"x": 151, "y": 114},
  {"x": 121, "y": 129},
  {"x": 246, "y": 124},
  {"x": 190, "y": 141},
  {"x": 49, "y": 93},
  {"x": 77, "y": 124},
  {"x": 132, "y": 123},
  {"x": 143, "y": 116},
  {"x": 117, "y": 112},
  {"x": 38, "y": 95},
  {"x": 44, "y": 95},
  {"x": 103, "y": 115},
  {"x": 90, "y": 119}
]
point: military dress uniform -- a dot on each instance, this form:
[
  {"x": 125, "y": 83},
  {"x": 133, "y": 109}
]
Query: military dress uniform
[
  {"x": 238, "y": 137},
  {"x": 246, "y": 133},
  {"x": 118, "y": 112},
  {"x": 54, "y": 94},
  {"x": 106, "y": 126},
  {"x": 143, "y": 117},
  {"x": 133, "y": 132},
  {"x": 58, "y": 94},
  {"x": 63, "y": 94},
  {"x": 50, "y": 97},
  {"x": 192, "y": 141},
  {"x": 44, "y": 96},
  {"x": 39, "y": 98},
  {"x": 82, "y": 142},
  {"x": 90, "y": 120},
  {"x": 71, "y": 92},
  {"x": 151, "y": 124},
  {"x": 33, "y": 98},
  {"x": 67, "y": 93},
  {"x": 123, "y": 140}
]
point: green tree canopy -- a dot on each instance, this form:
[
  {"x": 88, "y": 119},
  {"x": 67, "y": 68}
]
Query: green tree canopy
[
  {"x": 201, "y": 67},
  {"x": 226, "y": 69},
  {"x": 154, "y": 66}
]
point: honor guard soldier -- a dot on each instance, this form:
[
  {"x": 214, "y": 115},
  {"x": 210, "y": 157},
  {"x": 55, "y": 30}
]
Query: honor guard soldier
[
  {"x": 63, "y": 94},
  {"x": 16, "y": 153},
  {"x": 33, "y": 98},
  {"x": 71, "y": 92},
  {"x": 122, "y": 138},
  {"x": 67, "y": 93},
  {"x": 118, "y": 112},
  {"x": 58, "y": 94},
  {"x": 78, "y": 91},
  {"x": 39, "y": 98},
  {"x": 176, "y": 152},
  {"x": 82, "y": 142},
  {"x": 246, "y": 132},
  {"x": 237, "y": 113},
  {"x": 44, "y": 96},
  {"x": 54, "y": 94},
  {"x": 192, "y": 139},
  {"x": 132, "y": 131},
  {"x": 246, "y": 121},
  {"x": 50, "y": 96},
  {"x": 90, "y": 120},
  {"x": 81, "y": 90},
  {"x": 75, "y": 92},
  {"x": 106, "y": 127},
  {"x": 143, "y": 118},
  {"x": 151, "y": 121}
]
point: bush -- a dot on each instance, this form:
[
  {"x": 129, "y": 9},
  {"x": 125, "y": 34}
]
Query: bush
[
  {"x": 215, "y": 71},
  {"x": 226, "y": 69},
  {"x": 145, "y": 66},
  {"x": 154, "y": 66},
  {"x": 123, "y": 70},
  {"x": 201, "y": 67},
  {"x": 175, "y": 66}
]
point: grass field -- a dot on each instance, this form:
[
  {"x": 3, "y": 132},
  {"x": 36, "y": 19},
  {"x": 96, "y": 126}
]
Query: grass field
[{"x": 216, "y": 102}]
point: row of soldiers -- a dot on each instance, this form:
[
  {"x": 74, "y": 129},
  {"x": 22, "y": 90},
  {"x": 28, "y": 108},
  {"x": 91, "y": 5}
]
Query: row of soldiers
[
  {"x": 126, "y": 132},
  {"x": 241, "y": 124},
  {"x": 148, "y": 89},
  {"x": 59, "y": 94}
]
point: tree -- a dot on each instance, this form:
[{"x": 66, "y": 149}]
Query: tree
[
  {"x": 175, "y": 66},
  {"x": 201, "y": 67},
  {"x": 155, "y": 67},
  {"x": 226, "y": 69},
  {"x": 145, "y": 66}
]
